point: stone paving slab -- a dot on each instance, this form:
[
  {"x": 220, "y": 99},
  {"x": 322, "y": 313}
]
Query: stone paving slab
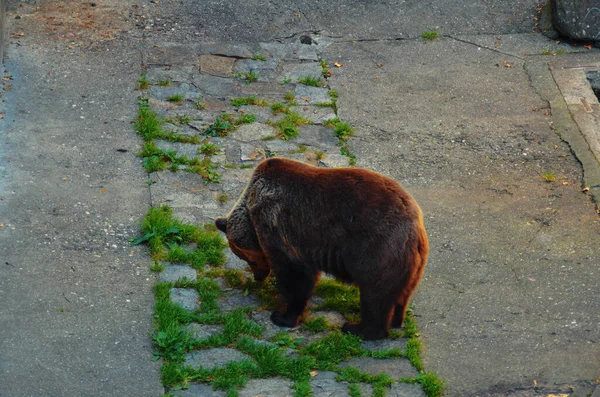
[
  {"x": 406, "y": 390},
  {"x": 276, "y": 387},
  {"x": 325, "y": 385},
  {"x": 186, "y": 298},
  {"x": 203, "y": 331},
  {"x": 174, "y": 273},
  {"x": 214, "y": 358}
]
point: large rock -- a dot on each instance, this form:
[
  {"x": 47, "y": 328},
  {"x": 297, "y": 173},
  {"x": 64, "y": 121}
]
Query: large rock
[{"x": 577, "y": 19}]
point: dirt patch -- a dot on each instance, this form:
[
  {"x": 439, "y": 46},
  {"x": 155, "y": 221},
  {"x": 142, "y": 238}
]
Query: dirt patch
[{"x": 70, "y": 23}]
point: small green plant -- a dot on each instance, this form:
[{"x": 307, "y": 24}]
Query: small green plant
[
  {"x": 222, "y": 198},
  {"x": 220, "y": 127},
  {"x": 325, "y": 68},
  {"x": 549, "y": 177},
  {"x": 249, "y": 100},
  {"x": 287, "y": 127},
  {"x": 142, "y": 83},
  {"x": 164, "y": 83},
  {"x": 286, "y": 80},
  {"x": 278, "y": 107},
  {"x": 430, "y": 35},
  {"x": 199, "y": 105},
  {"x": 316, "y": 324},
  {"x": 245, "y": 119},
  {"x": 311, "y": 81},
  {"x": 208, "y": 149},
  {"x": 182, "y": 119},
  {"x": 259, "y": 57},
  {"x": 319, "y": 155},
  {"x": 557, "y": 52},
  {"x": 177, "y": 98},
  {"x": 250, "y": 77}
]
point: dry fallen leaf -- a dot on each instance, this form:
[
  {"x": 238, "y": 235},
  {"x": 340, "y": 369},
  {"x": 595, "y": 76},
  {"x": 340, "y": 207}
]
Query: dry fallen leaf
[
  {"x": 507, "y": 65},
  {"x": 337, "y": 64},
  {"x": 565, "y": 183},
  {"x": 379, "y": 65},
  {"x": 588, "y": 46},
  {"x": 585, "y": 189},
  {"x": 102, "y": 190},
  {"x": 313, "y": 373},
  {"x": 555, "y": 147}
]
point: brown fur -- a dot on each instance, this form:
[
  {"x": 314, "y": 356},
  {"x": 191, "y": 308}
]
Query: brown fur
[{"x": 355, "y": 224}]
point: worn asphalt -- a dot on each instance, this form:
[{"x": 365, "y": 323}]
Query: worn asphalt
[{"x": 473, "y": 123}]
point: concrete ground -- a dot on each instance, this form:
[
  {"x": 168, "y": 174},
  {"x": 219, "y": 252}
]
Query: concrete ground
[{"x": 470, "y": 123}]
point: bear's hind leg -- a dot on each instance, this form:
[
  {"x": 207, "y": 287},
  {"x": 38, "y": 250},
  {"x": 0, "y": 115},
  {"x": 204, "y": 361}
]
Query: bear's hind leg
[
  {"x": 375, "y": 313},
  {"x": 297, "y": 288},
  {"x": 399, "y": 313}
]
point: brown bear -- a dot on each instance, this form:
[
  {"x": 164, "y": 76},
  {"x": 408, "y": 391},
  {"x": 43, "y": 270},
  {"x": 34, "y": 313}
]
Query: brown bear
[{"x": 355, "y": 224}]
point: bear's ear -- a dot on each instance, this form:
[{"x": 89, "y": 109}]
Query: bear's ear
[{"x": 221, "y": 223}]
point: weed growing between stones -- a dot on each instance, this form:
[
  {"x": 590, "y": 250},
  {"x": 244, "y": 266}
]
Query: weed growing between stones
[
  {"x": 311, "y": 81},
  {"x": 430, "y": 35},
  {"x": 249, "y": 100},
  {"x": 150, "y": 127},
  {"x": 143, "y": 83},
  {"x": 177, "y": 98}
]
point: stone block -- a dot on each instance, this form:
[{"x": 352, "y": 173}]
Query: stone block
[
  {"x": 185, "y": 90},
  {"x": 334, "y": 160},
  {"x": 203, "y": 331},
  {"x": 173, "y": 273},
  {"x": 185, "y": 297},
  {"x": 296, "y": 71},
  {"x": 233, "y": 262},
  {"x": 306, "y": 94},
  {"x": 333, "y": 318},
  {"x": 265, "y": 70},
  {"x": 253, "y": 132},
  {"x": 215, "y": 65},
  {"x": 325, "y": 385},
  {"x": 318, "y": 136},
  {"x": 187, "y": 149},
  {"x": 316, "y": 114},
  {"x": 214, "y": 358},
  {"x": 177, "y": 74},
  {"x": 577, "y": 19},
  {"x": 272, "y": 387},
  {"x": 232, "y": 302}
]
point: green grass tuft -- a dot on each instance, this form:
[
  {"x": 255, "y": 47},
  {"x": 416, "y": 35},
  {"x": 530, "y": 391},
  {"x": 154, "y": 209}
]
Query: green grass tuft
[
  {"x": 430, "y": 35},
  {"x": 311, "y": 81}
]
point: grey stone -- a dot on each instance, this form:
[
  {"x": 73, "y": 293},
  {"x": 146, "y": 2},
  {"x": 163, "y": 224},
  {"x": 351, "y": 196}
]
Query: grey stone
[
  {"x": 316, "y": 114},
  {"x": 217, "y": 65},
  {"x": 175, "y": 74},
  {"x": 577, "y": 19},
  {"x": 203, "y": 331},
  {"x": 278, "y": 146},
  {"x": 186, "y": 149},
  {"x": 253, "y": 132},
  {"x": 266, "y": 70},
  {"x": 174, "y": 273},
  {"x": 296, "y": 71},
  {"x": 186, "y": 298},
  {"x": 318, "y": 136},
  {"x": 395, "y": 368},
  {"x": 269, "y": 91},
  {"x": 183, "y": 89},
  {"x": 272, "y": 387},
  {"x": 374, "y": 345},
  {"x": 233, "y": 262},
  {"x": 232, "y": 302},
  {"x": 333, "y": 318},
  {"x": 262, "y": 113},
  {"x": 306, "y": 94},
  {"x": 292, "y": 51},
  {"x": 214, "y": 358},
  {"x": 325, "y": 385},
  {"x": 199, "y": 390},
  {"x": 250, "y": 152},
  {"x": 406, "y": 390},
  {"x": 333, "y": 160},
  {"x": 217, "y": 86}
]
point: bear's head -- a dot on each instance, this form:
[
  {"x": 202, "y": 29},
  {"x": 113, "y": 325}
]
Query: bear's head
[{"x": 244, "y": 243}]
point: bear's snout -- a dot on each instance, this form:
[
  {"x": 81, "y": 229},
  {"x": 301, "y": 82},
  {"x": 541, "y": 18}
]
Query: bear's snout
[{"x": 261, "y": 275}]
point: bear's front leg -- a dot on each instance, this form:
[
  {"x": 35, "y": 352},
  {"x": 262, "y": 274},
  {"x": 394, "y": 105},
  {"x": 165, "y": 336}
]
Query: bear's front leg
[
  {"x": 375, "y": 314},
  {"x": 297, "y": 288}
]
